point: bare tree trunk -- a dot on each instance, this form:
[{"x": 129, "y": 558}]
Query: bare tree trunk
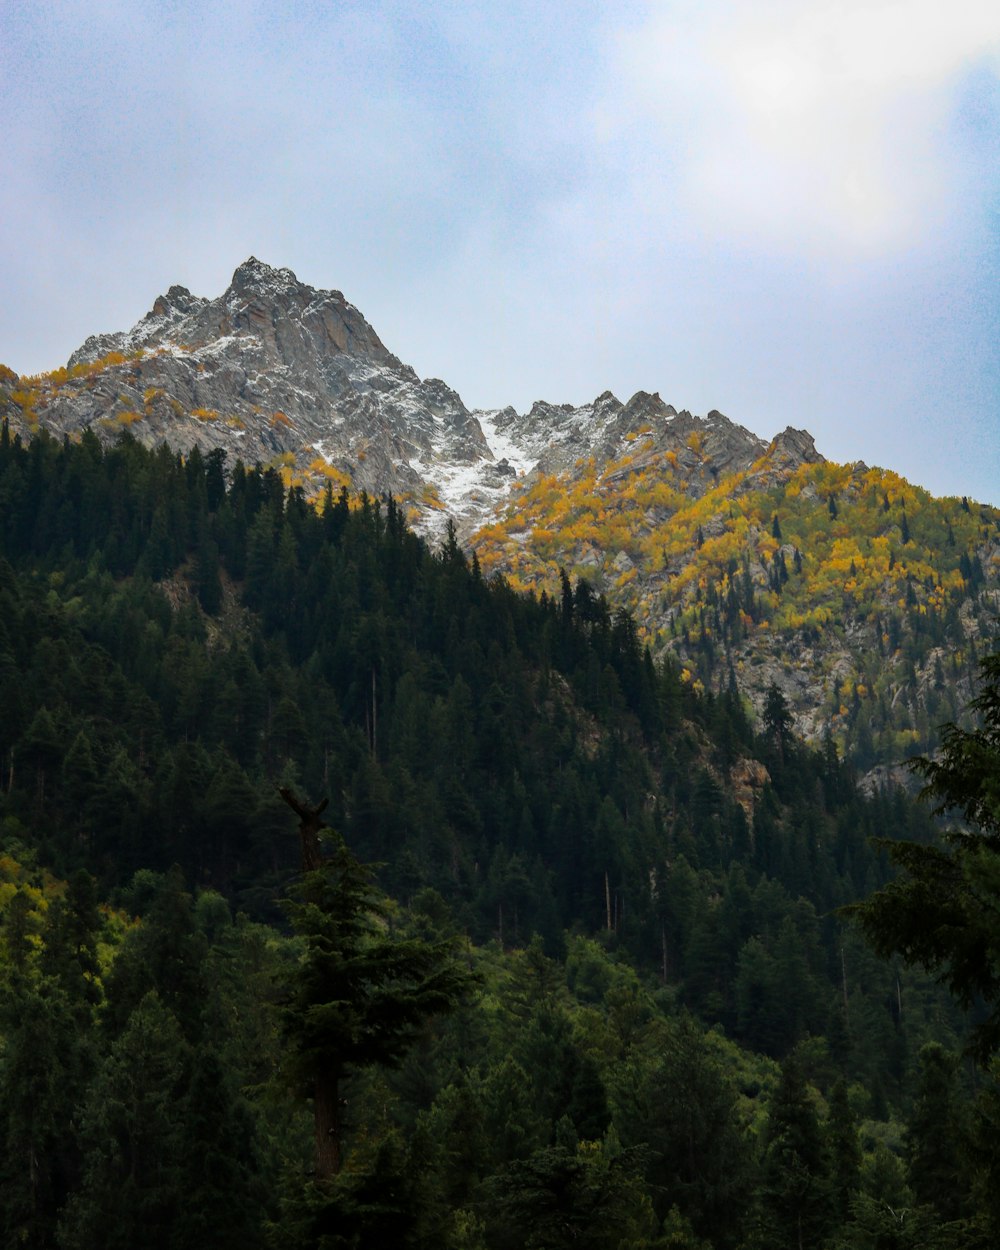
[
  {"x": 326, "y": 1125},
  {"x": 843, "y": 970},
  {"x": 310, "y": 825},
  {"x": 326, "y": 1088},
  {"x": 663, "y": 944}
]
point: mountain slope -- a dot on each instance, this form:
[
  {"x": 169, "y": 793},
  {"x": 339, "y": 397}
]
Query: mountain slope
[
  {"x": 271, "y": 371},
  {"x": 863, "y": 598},
  {"x": 277, "y": 372}
]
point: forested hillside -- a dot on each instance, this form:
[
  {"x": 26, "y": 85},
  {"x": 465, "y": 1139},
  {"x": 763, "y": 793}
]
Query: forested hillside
[
  {"x": 863, "y": 598},
  {"x": 866, "y": 599},
  {"x": 653, "y": 1027}
]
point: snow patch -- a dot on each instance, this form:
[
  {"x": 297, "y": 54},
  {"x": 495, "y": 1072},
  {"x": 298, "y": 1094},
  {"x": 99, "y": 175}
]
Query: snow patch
[{"x": 501, "y": 445}]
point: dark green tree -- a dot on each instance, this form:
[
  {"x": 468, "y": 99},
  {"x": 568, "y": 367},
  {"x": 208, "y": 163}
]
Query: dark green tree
[
  {"x": 220, "y": 1167},
  {"x": 70, "y": 952},
  {"x": 943, "y": 911},
  {"x": 844, "y": 1149},
  {"x": 44, "y": 1063},
  {"x": 936, "y": 1136},
  {"x": 132, "y": 1133},
  {"x": 794, "y": 1187},
  {"x": 564, "y": 1198},
  {"x": 681, "y": 1112},
  {"x": 777, "y": 720},
  {"x": 360, "y": 996},
  {"x": 166, "y": 954}
]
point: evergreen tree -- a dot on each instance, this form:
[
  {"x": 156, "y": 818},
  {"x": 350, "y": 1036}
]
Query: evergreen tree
[
  {"x": 132, "y": 1131},
  {"x": 165, "y": 954},
  {"x": 70, "y": 952},
  {"x": 564, "y": 1197},
  {"x": 777, "y": 720},
  {"x": 943, "y": 912},
  {"x": 794, "y": 1188},
  {"x": 935, "y": 1139},
  {"x": 844, "y": 1149},
  {"x": 45, "y": 1062},
  {"x": 359, "y": 996},
  {"x": 220, "y": 1168},
  {"x": 678, "y": 1108}
]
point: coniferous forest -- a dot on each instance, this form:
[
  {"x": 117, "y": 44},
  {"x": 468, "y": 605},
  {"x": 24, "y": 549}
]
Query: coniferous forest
[{"x": 351, "y": 899}]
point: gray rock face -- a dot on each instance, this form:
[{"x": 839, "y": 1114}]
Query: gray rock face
[
  {"x": 270, "y": 369},
  {"x": 277, "y": 372}
]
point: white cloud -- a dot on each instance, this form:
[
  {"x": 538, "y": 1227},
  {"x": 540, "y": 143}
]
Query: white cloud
[{"x": 820, "y": 124}]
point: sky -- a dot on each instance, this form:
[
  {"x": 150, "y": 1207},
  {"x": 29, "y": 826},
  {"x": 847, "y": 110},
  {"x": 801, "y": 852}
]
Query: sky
[{"x": 788, "y": 210}]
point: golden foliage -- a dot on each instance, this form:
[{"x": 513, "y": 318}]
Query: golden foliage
[
  {"x": 430, "y": 498},
  {"x": 830, "y": 563},
  {"x": 329, "y": 472}
]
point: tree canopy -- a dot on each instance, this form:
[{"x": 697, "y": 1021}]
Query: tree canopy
[{"x": 943, "y": 911}]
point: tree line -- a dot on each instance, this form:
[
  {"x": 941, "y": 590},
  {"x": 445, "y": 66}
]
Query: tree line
[{"x": 177, "y": 644}]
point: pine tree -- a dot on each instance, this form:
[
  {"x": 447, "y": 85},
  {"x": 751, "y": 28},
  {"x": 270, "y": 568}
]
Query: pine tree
[
  {"x": 844, "y": 1149},
  {"x": 795, "y": 1186},
  {"x": 220, "y": 1169},
  {"x": 132, "y": 1132},
  {"x": 562, "y": 1197},
  {"x": 935, "y": 1139},
  {"x": 942, "y": 913},
  {"x": 680, "y": 1112},
  {"x": 45, "y": 1062},
  {"x": 777, "y": 720},
  {"x": 359, "y": 996}
]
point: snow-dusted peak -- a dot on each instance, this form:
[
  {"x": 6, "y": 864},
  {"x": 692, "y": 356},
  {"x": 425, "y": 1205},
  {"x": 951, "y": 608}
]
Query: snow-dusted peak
[
  {"x": 273, "y": 367},
  {"x": 177, "y": 302},
  {"x": 607, "y": 405},
  {"x": 256, "y": 276}
]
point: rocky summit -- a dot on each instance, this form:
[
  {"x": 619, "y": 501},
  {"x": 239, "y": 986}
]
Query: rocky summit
[
  {"x": 272, "y": 371},
  {"x": 864, "y": 600},
  {"x": 277, "y": 372}
]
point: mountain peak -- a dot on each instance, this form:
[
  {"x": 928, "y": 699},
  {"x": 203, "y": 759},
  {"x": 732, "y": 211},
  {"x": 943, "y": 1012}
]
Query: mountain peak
[
  {"x": 177, "y": 301},
  {"x": 257, "y": 275}
]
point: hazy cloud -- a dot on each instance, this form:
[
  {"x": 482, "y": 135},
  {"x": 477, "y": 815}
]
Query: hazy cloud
[
  {"x": 784, "y": 210},
  {"x": 828, "y": 127}
]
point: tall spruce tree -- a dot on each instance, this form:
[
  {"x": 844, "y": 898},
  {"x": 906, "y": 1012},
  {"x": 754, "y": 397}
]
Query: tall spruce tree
[
  {"x": 943, "y": 911},
  {"x": 795, "y": 1185},
  {"x": 936, "y": 1137},
  {"x": 132, "y": 1132},
  {"x": 360, "y": 995}
]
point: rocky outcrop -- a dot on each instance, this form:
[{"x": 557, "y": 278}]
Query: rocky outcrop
[
  {"x": 787, "y": 451},
  {"x": 748, "y": 778}
]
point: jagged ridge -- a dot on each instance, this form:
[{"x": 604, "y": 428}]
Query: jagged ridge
[{"x": 667, "y": 513}]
